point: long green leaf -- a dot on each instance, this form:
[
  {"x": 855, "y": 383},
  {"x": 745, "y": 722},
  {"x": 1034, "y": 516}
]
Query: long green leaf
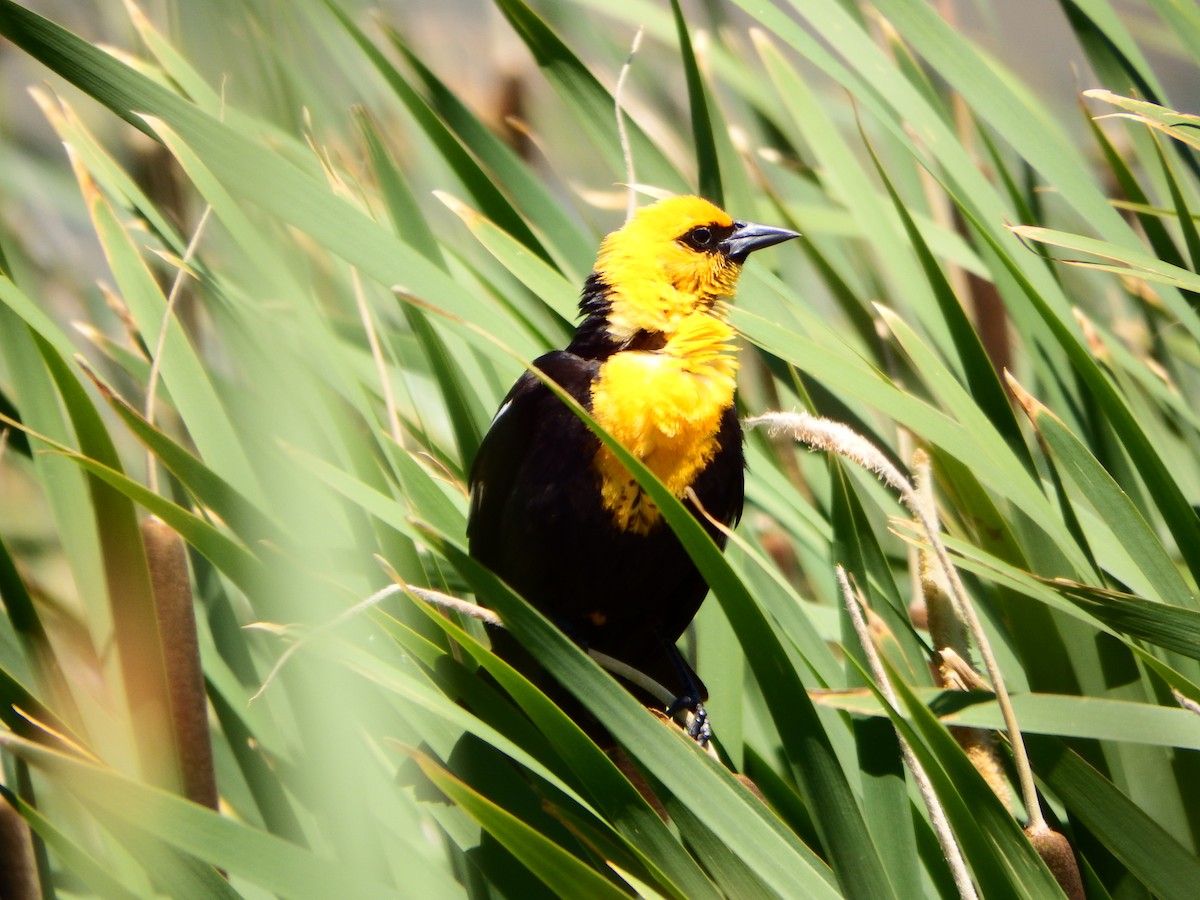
[
  {"x": 1051, "y": 714},
  {"x": 561, "y": 871}
]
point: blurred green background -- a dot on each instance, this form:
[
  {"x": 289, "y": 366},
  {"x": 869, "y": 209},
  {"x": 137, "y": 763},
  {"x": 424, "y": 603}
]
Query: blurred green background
[{"x": 267, "y": 270}]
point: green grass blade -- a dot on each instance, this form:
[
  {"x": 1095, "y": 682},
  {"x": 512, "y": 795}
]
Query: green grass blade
[
  {"x": 1060, "y": 715},
  {"x": 981, "y": 377},
  {"x": 707, "y": 163},
  {"x": 76, "y": 858},
  {"x": 672, "y": 759},
  {"x": 562, "y": 872},
  {"x": 480, "y": 183},
  {"x": 1114, "y": 508},
  {"x": 559, "y": 232}
]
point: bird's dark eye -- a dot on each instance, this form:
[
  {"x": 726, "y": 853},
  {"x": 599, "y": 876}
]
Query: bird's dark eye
[
  {"x": 699, "y": 238},
  {"x": 706, "y": 238}
]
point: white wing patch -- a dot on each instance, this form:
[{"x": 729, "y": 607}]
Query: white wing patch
[{"x": 501, "y": 411}]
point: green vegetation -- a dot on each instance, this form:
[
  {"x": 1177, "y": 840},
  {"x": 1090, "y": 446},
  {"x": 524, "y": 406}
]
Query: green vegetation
[{"x": 314, "y": 282}]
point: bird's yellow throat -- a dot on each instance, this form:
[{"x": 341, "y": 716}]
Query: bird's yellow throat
[{"x": 665, "y": 407}]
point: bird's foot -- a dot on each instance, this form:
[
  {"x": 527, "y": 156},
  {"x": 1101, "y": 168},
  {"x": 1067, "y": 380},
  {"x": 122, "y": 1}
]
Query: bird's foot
[
  {"x": 695, "y": 722},
  {"x": 698, "y": 728}
]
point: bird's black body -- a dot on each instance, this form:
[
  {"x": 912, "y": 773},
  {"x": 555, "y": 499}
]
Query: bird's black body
[{"x": 538, "y": 523}]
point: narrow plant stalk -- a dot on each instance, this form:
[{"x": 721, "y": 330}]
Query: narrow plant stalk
[
  {"x": 937, "y": 814},
  {"x": 360, "y": 607},
  {"x": 172, "y": 589},
  {"x": 467, "y": 608},
  {"x": 1185, "y": 702},
  {"x": 626, "y": 152},
  {"x": 161, "y": 341},
  {"x": 824, "y": 434}
]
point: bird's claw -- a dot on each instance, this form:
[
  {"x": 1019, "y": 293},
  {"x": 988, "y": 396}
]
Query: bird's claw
[
  {"x": 698, "y": 728},
  {"x": 696, "y": 724}
]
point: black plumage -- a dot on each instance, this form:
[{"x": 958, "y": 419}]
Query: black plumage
[{"x": 537, "y": 522}]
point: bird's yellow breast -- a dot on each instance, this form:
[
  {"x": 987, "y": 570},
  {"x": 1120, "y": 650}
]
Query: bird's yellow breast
[{"x": 665, "y": 407}]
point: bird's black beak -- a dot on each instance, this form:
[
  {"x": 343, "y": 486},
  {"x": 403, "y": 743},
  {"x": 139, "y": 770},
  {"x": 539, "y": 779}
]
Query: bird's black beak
[{"x": 748, "y": 237}]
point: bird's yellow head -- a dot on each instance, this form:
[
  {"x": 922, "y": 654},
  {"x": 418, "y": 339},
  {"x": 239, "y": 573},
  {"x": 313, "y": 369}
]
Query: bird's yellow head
[{"x": 672, "y": 259}]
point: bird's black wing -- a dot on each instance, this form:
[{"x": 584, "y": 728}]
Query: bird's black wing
[
  {"x": 527, "y": 474},
  {"x": 532, "y": 432}
]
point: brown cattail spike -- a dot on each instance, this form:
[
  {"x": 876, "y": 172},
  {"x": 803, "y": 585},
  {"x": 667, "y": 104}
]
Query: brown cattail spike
[
  {"x": 1055, "y": 851},
  {"x": 167, "y": 560},
  {"x": 18, "y": 867}
]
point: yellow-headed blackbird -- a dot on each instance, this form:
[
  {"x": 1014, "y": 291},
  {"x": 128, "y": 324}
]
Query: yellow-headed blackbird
[{"x": 554, "y": 513}]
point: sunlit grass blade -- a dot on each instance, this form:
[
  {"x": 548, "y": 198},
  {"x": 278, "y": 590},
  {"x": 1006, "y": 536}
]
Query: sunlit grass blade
[
  {"x": 1050, "y": 714},
  {"x": 209, "y": 488},
  {"x": 1183, "y": 214},
  {"x": 1131, "y": 262},
  {"x": 190, "y": 384},
  {"x": 707, "y": 163},
  {"x": 108, "y": 172},
  {"x": 23, "y": 627},
  {"x": 569, "y": 244},
  {"x": 481, "y": 184},
  {"x": 1113, "y": 506},
  {"x": 554, "y": 299},
  {"x": 670, "y": 758},
  {"x": 981, "y": 379},
  {"x": 76, "y": 857}
]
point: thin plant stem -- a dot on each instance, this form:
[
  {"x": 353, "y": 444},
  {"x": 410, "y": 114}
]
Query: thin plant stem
[
  {"x": 626, "y": 151},
  {"x": 161, "y": 341}
]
